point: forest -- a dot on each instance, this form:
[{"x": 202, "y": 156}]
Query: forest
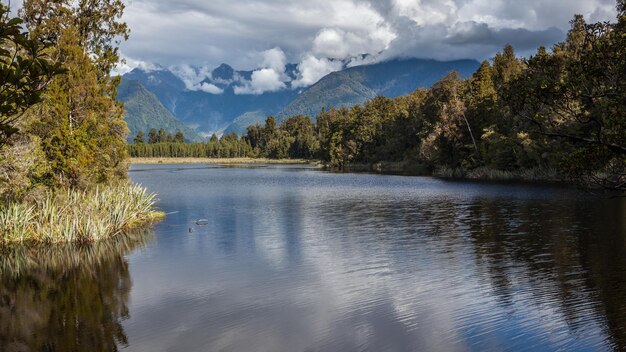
[
  {"x": 556, "y": 115},
  {"x": 62, "y": 132}
]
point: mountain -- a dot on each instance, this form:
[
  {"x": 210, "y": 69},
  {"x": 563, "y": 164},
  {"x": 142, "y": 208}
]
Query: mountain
[
  {"x": 213, "y": 105},
  {"x": 358, "y": 84},
  {"x": 241, "y": 123},
  {"x": 144, "y": 111},
  {"x": 206, "y": 112}
]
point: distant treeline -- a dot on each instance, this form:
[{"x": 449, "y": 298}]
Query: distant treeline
[
  {"x": 229, "y": 146},
  {"x": 561, "y": 111},
  {"x": 160, "y": 136}
]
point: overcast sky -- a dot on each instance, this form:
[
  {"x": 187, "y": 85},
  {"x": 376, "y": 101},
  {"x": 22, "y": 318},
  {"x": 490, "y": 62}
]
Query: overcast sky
[
  {"x": 265, "y": 34},
  {"x": 209, "y": 32}
]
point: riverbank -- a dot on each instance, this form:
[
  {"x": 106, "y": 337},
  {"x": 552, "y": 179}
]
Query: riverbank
[
  {"x": 538, "y": 175},
  {"x": 223, "y": 161},
  {"x": 388, "y": 167},
  {"x": 75, "y": 216}
]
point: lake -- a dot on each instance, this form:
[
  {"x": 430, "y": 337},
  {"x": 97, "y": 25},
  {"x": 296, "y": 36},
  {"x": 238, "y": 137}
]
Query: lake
[{"x": 296, "y": 259}]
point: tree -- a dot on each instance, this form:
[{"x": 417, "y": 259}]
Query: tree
[
  {"x": 97, "y": 23},
  {"x": 79, "y": 121},
  {"x": 26, "y": 69},
  {"x": 153, "y": 136},
  {"x": 302, "y": 130},
  {"x": 80, "y": 125},
  {"x": 575, "y": 96},
  {"x": 179, "y": 137},
  {"x": 451, "y": 132},
  {"x": 162, "y": 138},
  {"x": 139, "y": 139},
  {"x": 213, "y": 138}
]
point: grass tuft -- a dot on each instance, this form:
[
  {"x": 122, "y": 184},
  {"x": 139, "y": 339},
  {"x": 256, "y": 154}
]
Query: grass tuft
[{"x": 78, "y": 216}]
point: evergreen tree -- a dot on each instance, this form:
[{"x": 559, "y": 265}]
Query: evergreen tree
[
  {"x": 79, "y": 122},
  {"x": 162, "y": 138},
  {"x": 139, "y": 139},
  {"x": 179, "y": 137},
  {"x": 153, "y": 136}
]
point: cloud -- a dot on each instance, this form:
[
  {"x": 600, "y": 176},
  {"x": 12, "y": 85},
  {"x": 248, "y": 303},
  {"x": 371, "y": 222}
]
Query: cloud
[
  {"x": 266, "y": 34},
  {"x": 274, "y": 59},
  {"x": 271, "y": 77},
  {"x": 195, "y": 78},
  {"x": 263, "y": 80},
  {"x": 210, "y": 88},
  {"x": 129, "y": 64},
  {"x": 335, "y": 43},
  {"x": 311, "y": 69}
]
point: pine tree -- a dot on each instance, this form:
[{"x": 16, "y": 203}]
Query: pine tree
[
  {"x": 79, "y": 122},
  {"x": 179, "y": 137},
  {"x": 153, "y": 136},
  {"x": 162, "y": 138},
  {"x": 139, "y": 139}
]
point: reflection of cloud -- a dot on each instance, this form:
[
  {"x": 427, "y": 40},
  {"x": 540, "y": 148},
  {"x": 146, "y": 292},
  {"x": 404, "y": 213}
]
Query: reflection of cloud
[{"x": 337, "y": 262}]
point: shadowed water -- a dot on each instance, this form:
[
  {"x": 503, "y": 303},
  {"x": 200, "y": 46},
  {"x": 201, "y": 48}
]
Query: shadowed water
[{"x": 301, "y": 260}]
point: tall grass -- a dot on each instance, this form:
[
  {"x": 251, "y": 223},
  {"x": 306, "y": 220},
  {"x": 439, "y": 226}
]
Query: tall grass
[
  {"x": 78, "y": 216},
  {"x": 485, "y": 173}
]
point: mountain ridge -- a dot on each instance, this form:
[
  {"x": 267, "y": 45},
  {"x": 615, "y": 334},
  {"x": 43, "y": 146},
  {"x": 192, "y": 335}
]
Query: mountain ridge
[{"x": 229, "y": 112}]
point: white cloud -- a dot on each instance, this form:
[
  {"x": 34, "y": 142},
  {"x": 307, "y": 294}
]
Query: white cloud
[
  {"x": 274, "y": 59},
  {"x": 240, "y": 32},
  {"x": 311, "y": 69},
  {"x": 195, "y": 78},
  {"x": 210, "y": 88},
  {"x": 263, "y": 80},
  {"x": 130, "y": 64},
  {"x": 270, "y": 77},
  {"x": 338, "y": 44}
]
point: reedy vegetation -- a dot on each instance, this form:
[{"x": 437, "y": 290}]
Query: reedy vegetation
[{"x": 73, "y": 215}]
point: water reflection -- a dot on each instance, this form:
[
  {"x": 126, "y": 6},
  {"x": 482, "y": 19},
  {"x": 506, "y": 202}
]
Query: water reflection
[
  {"x": 66, "y": 298},
  {"x": 298, "y": 260},
  {"x": 305, "y": 260}
]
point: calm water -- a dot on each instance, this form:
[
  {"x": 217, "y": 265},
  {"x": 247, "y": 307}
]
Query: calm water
[{"x": 301, "y": 260}]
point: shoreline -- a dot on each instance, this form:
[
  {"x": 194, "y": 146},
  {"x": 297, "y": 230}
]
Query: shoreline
[
  {"x": 222, "y": 161},
  {"x": 383, "y": 167}
]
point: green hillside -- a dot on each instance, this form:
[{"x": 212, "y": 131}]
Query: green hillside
[
  {"x": 144, "y": 111},
  {"x": 358, "y": 84},
  {"x": 241, "y": 123},
  {"x": 335, "y": 90}
]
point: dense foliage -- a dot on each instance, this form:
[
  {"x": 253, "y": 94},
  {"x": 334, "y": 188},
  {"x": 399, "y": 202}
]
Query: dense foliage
[
  {"x": 25, "y": 68},
  {"x": 560, "y": 110},
  {"x": 71, "y": 129},
  {"x": 160, "y": 145}
]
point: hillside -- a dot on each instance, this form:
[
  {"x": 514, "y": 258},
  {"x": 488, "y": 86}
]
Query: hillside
[
  {"x": 355, "y": 85},
  {"x": 144, "y": 111},
  {"x": 228, "y": 111},
  {"x": 206, "y": 112}
]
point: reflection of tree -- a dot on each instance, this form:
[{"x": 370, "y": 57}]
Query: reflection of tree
[
  {"x": 562, "y": 252},
  {"x": 67, "y": 298}
]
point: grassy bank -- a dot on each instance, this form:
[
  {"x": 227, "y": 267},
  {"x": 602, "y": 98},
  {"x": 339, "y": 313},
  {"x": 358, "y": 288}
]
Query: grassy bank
[
  {"x": 78, "y": 216},
  {"x": 227, "y": 161},
  {"x": 488, "y": 174},
  {"x": 481, "y": 173}
]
